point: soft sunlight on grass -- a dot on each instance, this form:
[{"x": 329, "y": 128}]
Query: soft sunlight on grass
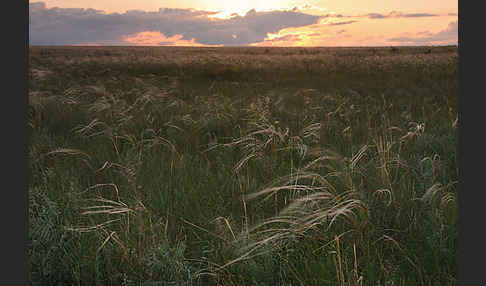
[{"x": 243, "y": 166}]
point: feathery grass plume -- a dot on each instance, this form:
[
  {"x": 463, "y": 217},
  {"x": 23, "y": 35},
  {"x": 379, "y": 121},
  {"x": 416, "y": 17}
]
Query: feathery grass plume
[
  {"x": 312, "y": 131},
  {"x": 83, "y": 156},
  {"x": 116, "y": 224},
  {"x": 68, "y": 151},
  {"x": 267, "y": 139},
  {"x": 94, "y": 128},
  {"x": 448, "y": 198},
  {"x": 258, "y": 143},
  {"x": 315, "y": 203},
  {"x": 71, "y": 96},
  {"x": 439, "y": 195},
  {"x": 431, "y": 192}
]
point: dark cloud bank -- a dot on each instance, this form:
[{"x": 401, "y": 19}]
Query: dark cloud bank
[
  {"x": 76, "y": 26},
  {"x": 69, "y": 26}
]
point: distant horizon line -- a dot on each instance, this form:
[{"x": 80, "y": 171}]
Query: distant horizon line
[{"x": 229, "y": 46}]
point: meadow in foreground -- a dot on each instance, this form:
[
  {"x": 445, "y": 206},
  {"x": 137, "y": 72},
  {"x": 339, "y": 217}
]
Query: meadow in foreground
[{"x": 243, "y": 166}]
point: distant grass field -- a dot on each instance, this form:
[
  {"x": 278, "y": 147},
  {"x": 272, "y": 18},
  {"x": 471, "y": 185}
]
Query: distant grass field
[{"x": 243, "y": 166}]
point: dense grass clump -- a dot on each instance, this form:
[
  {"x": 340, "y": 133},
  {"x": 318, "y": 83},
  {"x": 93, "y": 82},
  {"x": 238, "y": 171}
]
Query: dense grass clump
[{"x": 243, "y": 166}]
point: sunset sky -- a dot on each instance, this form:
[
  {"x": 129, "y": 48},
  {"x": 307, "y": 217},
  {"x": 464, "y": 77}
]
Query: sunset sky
[{"x": 244, "y": 23}]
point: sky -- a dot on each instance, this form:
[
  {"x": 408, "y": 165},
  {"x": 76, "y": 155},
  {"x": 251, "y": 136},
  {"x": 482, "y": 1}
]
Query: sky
[{"x": 243, "y": 23}]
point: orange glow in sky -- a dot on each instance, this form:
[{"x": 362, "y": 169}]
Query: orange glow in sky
[
  {"x": 363, "y": 33},
  {"x": 155, "y": 38},
  {"x": 238, "y": 6},
  {"x": 356, "y": 22}
]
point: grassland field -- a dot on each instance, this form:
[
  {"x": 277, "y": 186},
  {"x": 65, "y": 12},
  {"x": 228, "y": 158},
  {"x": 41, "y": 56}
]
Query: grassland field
[{"x": 243, "y": 166}]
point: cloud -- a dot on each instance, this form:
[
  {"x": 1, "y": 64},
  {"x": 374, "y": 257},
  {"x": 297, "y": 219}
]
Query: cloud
[
  {"x": 444, "y": 37},
  {"x": 286, "y": 38},
  {"x": 62, "y": 26},
  {"x": 418, "y": 15},
  {"x": 309, "y": 8},
  {"x": 330, "y": 15},
  {"x": 376, "y": 16},
  {"x": 395, "y": 14},
  {"x": 341, "y": 23}
]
